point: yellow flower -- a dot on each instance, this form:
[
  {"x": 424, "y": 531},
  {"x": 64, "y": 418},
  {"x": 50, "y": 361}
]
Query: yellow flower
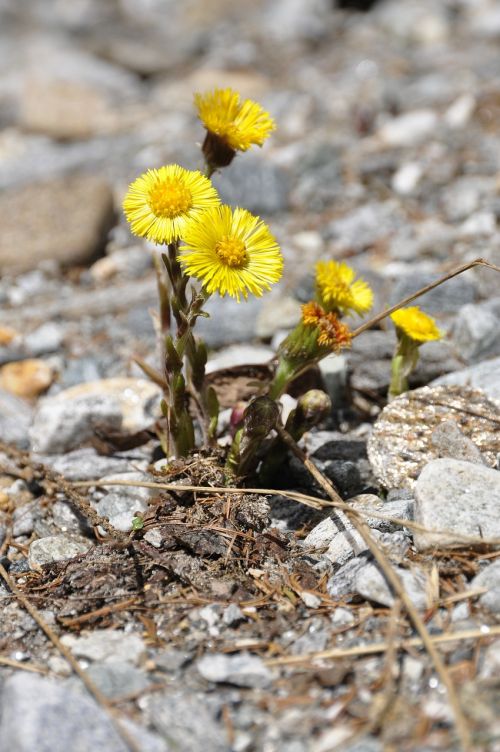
[
  {"x": 231, "y": 252},
  {"x": 160, "y": 202},
  {"x": 338, "y": 290},
  {"x": 332, "y": 333},
  {"x": 239, "y": 124},
  {"x": 416, "y": 324}
]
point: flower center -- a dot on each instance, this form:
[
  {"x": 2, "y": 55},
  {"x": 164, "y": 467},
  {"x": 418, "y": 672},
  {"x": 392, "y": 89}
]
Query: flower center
[
  {"x": 231, "y": 251},
  {"x": 170, "y": 198}
]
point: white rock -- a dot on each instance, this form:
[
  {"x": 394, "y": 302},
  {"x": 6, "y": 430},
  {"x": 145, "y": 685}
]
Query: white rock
[
  {"x": 480, "y": 223},
  {"x": 56, "y": 548},
  {"x": 239, "y": 355},
  {"x": 456, "y": 498},
  {"x": 409, "y": 128},
  {"x": 460, "y": 111},
  {"x": 106, "y": 645},
  {"x": 310, "y": 600},
  {"x": 240, "y": 669},
  {"x": 407, "y": 178},
  {"x": 320, "y": 536}
]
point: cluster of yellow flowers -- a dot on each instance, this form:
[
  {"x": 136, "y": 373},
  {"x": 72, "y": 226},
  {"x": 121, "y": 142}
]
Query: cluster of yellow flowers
[
  {"x": 233, "y": 252},
  {"x": 229, "y": 251}
]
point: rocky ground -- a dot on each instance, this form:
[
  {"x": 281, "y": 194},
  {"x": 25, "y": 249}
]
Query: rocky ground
[{"x": 248, "y": 622}]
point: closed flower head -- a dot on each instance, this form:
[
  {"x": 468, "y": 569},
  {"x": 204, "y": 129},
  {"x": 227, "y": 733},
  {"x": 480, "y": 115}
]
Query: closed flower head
[
  {"x": 338, "y": 290},
  {"x": 232, "y": 125},
  {"x": 231, "y": 252},
  {"x": 416, "y": 324},
  {"x": 161, "y": 202}
]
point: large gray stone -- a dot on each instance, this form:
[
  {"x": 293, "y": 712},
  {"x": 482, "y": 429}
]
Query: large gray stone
[
  {"x": 66, "y": 219},
  {"x": 456, "y": 498},
  {"x": 44, "y": 715},
  {"x": 187, "y": 722},
  {"x": 70, "y": 418},
  {"x": 485, "y": 376},
  {"x": 371, "y": 584},
  {"x": 106, "y": 645},
  {"x": 476, "y": 332}
]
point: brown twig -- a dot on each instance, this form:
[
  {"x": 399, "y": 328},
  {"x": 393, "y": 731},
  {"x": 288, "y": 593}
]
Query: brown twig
[
  {"x": 427, "y": 288},
  {"x": 4, "y": 661},
  {"x": 393, "y": 580},
  {"x": 93, "y": 690},
  {"x": 381, "y": 647}
]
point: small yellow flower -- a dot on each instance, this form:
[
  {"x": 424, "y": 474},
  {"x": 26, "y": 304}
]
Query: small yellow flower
[
  {"x": 338, "y": 289},
  {"x": 332, "y": 333},
  {"x": 160, "y": 202},
  {"x": 238, "y": 123},
  {"x": 231, "y": 252},
  {"x": 416, "y": 324}
]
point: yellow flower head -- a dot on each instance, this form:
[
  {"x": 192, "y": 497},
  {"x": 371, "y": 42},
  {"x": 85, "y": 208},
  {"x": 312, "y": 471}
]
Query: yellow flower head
[
  {"x": 338, "y": 290},
  {"x": 238, "y": 123},
  {"x": 332, "y": 333},
  {"x": 231, "y": 252},
  {"x": 416, "y": 324},
  {"x": 160, "y": 202}
]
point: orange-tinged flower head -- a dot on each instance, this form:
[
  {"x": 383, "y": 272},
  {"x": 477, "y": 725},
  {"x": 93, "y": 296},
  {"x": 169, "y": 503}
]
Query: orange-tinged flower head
[{"x": 332, "y": 333}]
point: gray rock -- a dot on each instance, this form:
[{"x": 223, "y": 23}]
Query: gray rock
[
  {"x": 68, "y": 419},
  {"x": 66, "y": 519},
  {"x": 23, "y": 519},
  {"x": 15, "y": 419},
  {"x": 334, "y": 374},
  {"x": 345, "y": 546},
  {"x": 342, "y": 582},
  {"x": 120, "y": 509},
  {"x": 476, "y": 332},
  {"x": 451, "y": 442},
  {"x": 447, "y": 298},
  {"x": 171, "y": 660},
  {"x": 45, "y": 339},
  {"x": 401, "y": 508},
  {"x": 187, "y": 722},
  {"x": 372, "y": 585},
  {"x": 365, "y": 226},
  {"x": 240, "y": 669},
  {"x": 62, "y": 424},
  {"x": 489, "y": 578},
  {"x": 30, "y": 235},
  {"x": 258, "y": 185},
  {"x": 118, "y": 678},
  {"x": 46, "y": 715},
  {"x": 321, "y": 535},
  {"x": 154, "y": 537},
  {"x": 56, "y": 548},
  {"x": 233, "y": 615},
  {"x": 485, "y": 376},
  {"x": 85, "y": 464},
  {"x": 456, "y": 498},
  {"x": 466, "y": 195},
  {"x": 106, "y": 645},
  {"x": 409, "y": 128},
  {"x": 231, "y": 322}
]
